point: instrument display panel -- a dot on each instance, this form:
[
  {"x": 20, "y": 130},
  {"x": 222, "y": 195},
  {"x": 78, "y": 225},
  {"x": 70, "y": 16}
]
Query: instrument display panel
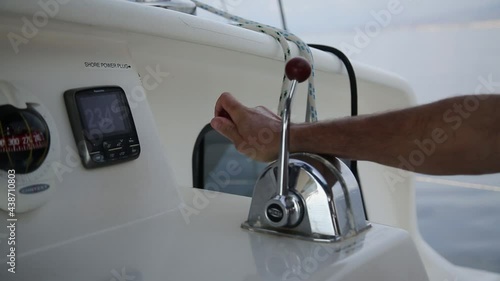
[{"x": 102, "y": 125}]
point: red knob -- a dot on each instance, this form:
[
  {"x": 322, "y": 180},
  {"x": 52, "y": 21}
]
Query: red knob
[{"x": 298, "y": 69}]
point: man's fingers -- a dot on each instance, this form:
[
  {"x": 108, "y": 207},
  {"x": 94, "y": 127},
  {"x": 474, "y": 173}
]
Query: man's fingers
[
  {"x": 227, "y": 128},
  {"x": 227, "y": 106}
]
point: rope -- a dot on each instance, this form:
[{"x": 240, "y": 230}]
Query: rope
[{"x": 282, "y": 37}]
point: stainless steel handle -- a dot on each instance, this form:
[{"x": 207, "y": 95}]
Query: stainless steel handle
[
  {"x": 285, "y": 143},
  {"x": 297, "y": 70}
]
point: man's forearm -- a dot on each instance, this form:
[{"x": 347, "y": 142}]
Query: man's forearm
[{"x": 458, "y": 135}]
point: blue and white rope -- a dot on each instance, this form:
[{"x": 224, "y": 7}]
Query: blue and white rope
[{"x": 282, "y": 37}]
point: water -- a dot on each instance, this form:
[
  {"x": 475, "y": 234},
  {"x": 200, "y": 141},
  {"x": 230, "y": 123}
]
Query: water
[{"x": 463, "y": 225}]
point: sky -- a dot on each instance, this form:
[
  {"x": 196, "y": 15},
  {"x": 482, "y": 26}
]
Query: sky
[{"x": 328, "y": 15}]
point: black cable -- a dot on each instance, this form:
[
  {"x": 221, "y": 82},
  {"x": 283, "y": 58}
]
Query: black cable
[
  {"x": 350, "y": 73},
  {"x": 354, "y": 97}
]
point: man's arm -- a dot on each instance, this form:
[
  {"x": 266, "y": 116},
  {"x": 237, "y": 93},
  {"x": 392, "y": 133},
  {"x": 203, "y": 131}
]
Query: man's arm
[{"x": 459, "y": 135}]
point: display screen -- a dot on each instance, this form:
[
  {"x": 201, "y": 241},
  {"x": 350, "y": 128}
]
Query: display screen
[{"x": 103, "y": 114}]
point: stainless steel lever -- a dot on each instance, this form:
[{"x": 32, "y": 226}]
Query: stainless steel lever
[
  {"x": 297, "y": 70},
  {"x": 305, "y": 195},
  {"x": 285, "y": 209}
]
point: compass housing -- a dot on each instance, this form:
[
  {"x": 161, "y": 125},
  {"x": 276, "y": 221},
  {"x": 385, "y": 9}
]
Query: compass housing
[{"x": 24, "y": 139}]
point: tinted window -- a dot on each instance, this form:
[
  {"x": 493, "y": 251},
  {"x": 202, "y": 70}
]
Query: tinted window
[{"x": 217, "y": 165}]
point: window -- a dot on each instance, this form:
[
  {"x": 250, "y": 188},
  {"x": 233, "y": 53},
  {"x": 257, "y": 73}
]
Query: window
[{"x": 217, "y": 165}]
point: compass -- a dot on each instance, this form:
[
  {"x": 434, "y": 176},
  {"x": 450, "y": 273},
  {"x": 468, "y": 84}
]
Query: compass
[
  {"x": 24, "y": 139},
  {"x": 28, "y": 142}
]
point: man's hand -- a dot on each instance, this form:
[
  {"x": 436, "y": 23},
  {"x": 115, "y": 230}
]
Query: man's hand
[{"x": 255, "y": 132}]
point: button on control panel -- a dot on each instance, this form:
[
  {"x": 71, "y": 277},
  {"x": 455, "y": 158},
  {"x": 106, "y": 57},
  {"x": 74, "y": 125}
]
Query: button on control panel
[
  {"x": 118, "y": 149},
  {"x": 101, "y": 120}
]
